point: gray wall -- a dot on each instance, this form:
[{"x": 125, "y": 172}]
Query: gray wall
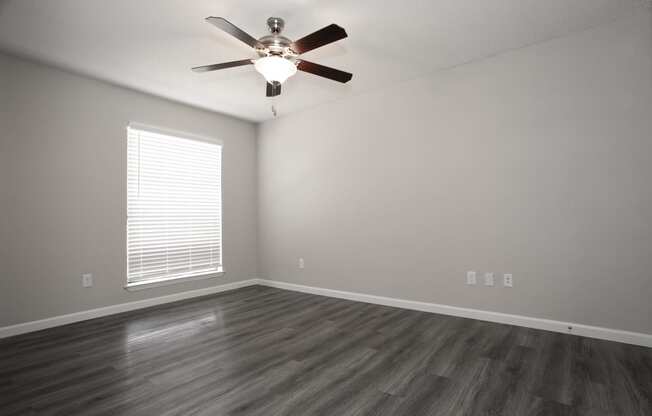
[
  {"x": 63, "y": 145},
  {"x": 4, "y": 182},
  {"x": 536, "y": 162}
]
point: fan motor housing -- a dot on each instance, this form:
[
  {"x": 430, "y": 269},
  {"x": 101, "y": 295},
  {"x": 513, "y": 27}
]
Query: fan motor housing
[{"x": 275, "y": 44}]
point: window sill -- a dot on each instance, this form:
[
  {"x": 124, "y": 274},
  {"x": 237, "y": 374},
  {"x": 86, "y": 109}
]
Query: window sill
[{"x": 167, "y": 282}]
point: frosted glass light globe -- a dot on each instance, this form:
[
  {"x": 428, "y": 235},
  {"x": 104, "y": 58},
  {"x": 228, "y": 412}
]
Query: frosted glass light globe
[{"x": 275, "y": 68}]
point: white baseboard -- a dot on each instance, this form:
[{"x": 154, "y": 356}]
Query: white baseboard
[
  {"x": 627, "y": 337},
  {"x": 609, "y": 334},
  {"x": 32, "y": 326}
]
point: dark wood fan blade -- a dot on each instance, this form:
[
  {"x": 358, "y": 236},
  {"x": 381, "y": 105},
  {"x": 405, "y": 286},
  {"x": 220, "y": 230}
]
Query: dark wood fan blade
[
  {"x": 324, "y": 71},
  {"x": 233, "y": 30},
  {"x": 324, "y": 36},
  {"x": 223, "y": 65},
  {"x": 273, "y": 89}
]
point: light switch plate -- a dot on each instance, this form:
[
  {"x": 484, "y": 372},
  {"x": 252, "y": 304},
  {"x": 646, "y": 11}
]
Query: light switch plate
[{"x": 470, "y": 278}]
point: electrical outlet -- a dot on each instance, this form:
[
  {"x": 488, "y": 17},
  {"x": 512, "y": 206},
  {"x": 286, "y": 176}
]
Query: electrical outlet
[
  {"x": 87, "y": 280},
  {"x": 302, "y": 264},
  {"x": 470, "y": 278},
  {"x": 488, "y": 279},
  {"x": 508, "y": 280}
]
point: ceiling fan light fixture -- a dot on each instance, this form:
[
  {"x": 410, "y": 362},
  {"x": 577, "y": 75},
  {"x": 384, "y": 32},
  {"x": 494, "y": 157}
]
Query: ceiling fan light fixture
[
  {"x": 279, "y": 54},
  {"x": 275, "y": 68}
]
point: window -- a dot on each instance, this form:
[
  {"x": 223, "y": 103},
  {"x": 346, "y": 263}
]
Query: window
[{"x": 174, "y": 206}]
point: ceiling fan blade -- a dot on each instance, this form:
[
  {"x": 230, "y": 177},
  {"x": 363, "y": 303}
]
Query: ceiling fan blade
[
  {"x": 324, "y": 71},
  {"x": 273, "y": 89},
  {"x": 223, "y": 65},
  {"x": 233, "y": 30},
  {"x": 324, "y": 36}
]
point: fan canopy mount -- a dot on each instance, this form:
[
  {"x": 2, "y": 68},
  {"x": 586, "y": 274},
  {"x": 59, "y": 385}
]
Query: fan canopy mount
[{"x": 275, "y": 24}]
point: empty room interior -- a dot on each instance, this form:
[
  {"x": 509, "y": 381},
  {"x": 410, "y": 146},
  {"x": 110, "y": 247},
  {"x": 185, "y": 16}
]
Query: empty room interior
[{"x": 347, "y": 207}]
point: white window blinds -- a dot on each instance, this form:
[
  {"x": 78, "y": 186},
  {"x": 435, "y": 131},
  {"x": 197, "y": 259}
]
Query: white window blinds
[{"x": 174, "y": 207}]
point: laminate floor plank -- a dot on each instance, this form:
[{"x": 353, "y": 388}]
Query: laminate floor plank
[{"x": 261, "y": 351}]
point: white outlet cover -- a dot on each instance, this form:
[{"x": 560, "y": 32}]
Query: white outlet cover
[
  {"x": 508, "y": 280},
  {"x": 302, "y": 264},
  {"x": 471, "y": 278},
  {"x": 488, "y": 279},
  {"x": 87, "y": 280}
]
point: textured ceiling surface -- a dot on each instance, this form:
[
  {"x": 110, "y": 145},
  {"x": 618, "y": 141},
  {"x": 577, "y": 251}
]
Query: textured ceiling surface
[{"x": 150, "y": 45}]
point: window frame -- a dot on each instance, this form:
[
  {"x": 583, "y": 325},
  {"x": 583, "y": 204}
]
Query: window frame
[{"x": 134, "y": 286}]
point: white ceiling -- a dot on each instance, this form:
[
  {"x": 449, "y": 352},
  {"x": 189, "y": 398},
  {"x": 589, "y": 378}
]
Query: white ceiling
[{"x": 150, "y": 45}]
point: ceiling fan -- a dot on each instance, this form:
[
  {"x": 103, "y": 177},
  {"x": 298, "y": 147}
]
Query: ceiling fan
[{"x": 279, "y": 56}]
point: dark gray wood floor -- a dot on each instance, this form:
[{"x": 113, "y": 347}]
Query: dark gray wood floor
[{"x": 264, "y": 351}]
